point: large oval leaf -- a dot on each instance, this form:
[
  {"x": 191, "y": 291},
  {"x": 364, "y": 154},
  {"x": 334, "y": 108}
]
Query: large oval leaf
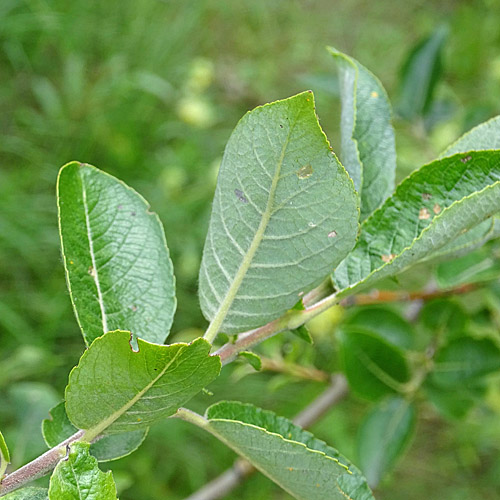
[
  {"x": 117, "y": 263},
  {"x": 368, "y": 145},
  {"x": 429, "y": 209},
  {"x": 302, "y": 465},
  {"x": 115, "y": 389},
  {"x": 285, "y": 212}
]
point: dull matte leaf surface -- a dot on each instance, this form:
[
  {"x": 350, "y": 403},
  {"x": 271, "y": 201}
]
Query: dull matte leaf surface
[
  {"x": 368, "y": 146},
  {"x": 302, "y": 465},
  {"x": 58, "y": 428},
  {"x": 115, "y": 254},
  {"x": 114, "y": 389},
  {"x": 383, "y": 436},
  {"x": 373, "y": 367},
  {"x": 30, "y": 493},
  {"x": 429, "y": 209},
  {"x": 285, "y": 212},
  {"x": 4, "y": 451},
  {"x": 78, "y": 477}
]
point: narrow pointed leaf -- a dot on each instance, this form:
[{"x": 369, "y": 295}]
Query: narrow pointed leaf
[
  {"x": 302, "y": 465},
  {"x": 420, "y": 74},
  {"x": 117, "y": 263},
  {"x": 429, "y": 209},
  {"x": 58, "y": 428},
  {"x": 285, "y": 211},
  {"x": 368, "y": 145},
  {"x": 115, "y": 389},
  {"x": 4, "y": 456},
  {"x": 30, "y": 493},
  {"x": 383, "y": 437},
  {"x": 78, "y": 477}
]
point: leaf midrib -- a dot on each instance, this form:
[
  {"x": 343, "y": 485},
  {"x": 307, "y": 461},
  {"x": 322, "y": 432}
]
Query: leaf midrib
[
  {"x": 226, "y": 303},
  {"x": 93, "y": 432}
]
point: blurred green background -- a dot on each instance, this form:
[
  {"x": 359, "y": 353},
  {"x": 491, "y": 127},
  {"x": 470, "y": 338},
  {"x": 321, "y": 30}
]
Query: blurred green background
[{"x": 149, "y": 90}]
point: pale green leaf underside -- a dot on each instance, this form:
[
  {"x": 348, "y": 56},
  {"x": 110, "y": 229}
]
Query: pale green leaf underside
[
  {"x": 429, "y": 209},
  {"x": 30, "y": 493},
  {"x": 114, "y": 389},
  {"x": 302, "y": 465},
  {"x": 117, "y": 263},
  {"x": 4, "y": 455},
  {"x": 284, "y": 213},
  {"x": 367, "y": 137},
  {"x": 78, "y": 477},
  {"x": 58, "y": 428}
]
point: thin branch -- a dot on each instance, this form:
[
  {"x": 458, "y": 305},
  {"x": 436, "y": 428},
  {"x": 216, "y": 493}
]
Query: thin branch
[
  {"x": 241, "y": 470},
  {"x": 303, "y": 372},
  {"x": 38, "y": 467}
]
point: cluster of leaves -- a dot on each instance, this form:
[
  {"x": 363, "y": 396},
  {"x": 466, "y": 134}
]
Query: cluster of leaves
[{"x": 285, "y": 216}]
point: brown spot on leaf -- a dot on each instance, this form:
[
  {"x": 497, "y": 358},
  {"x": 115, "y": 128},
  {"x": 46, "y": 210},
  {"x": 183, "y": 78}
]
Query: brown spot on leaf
[
  {"x": 91, "y": 271},
  {"x": 424, "y": 214},
  {"x": 436, "y": 209},
  {"x": 426, "y": 196},
  {"x": 388, "y": 258},
  {"x": 133, "y": 307},
  {"x": 465, "y": 159},
  {"x": 305, "y": 172},
  {"x": 239, "y": 194}
]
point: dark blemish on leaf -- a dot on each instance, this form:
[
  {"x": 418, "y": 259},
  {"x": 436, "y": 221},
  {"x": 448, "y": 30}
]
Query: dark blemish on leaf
[
  {"x": 132, "y": 342},
  {"x": 436, "y": 209},
  {"x": 132, "y": 214},
  {"x": 332, "y": 234},
  {"x": 305, "y": 171},
  {"x": 281, "y": 126},
  {"x": 239, "y": 194},
  {"x": 91, "y": 271},
  {"x": 388, "y": 258},
  {"x": 424, "y": 214},
  {"x": 466, "y": 159},
  {"x": 426, "y": 196},
  {"x": 66, "y": 458}
]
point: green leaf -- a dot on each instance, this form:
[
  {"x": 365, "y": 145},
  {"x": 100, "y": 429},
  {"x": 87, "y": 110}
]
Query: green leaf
[
  {"x": 484, "y": 136},
  {"x": 367, "y": 136},
  {"x": 465, "y": 360},
  {"x": 115, "y": 389},
  {"x": 429, "y": 209},
  {"x": 58, "y": 428},
  {"x": 383, "y": 437},
  {"x": 4, "y": 456},
  {"x": 303, "y": 333},
  {"x": 420, "y": 74},
  {"x": 384, "y": 323},
  {"x": 78, "y": 477},
  {"x": 117, "y": 263},
  {"x": 302, "y": 465},
  {"x": 373, "y": 367},
  {"x": 284, "y": 213},
  {"x": 478, "y": 266},
  {"x": 30, "y": 493},
  {"x": 444, "y": 316},
  {"x": 253, "y": 359}
]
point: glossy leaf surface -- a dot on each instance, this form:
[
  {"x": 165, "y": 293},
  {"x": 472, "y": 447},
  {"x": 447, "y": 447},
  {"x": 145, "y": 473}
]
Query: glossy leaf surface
[
  {"x": 285, "y": 212},
  {"x": 115, "y": 389},
  {"x": 302, "y": 465},
  {"x": 78, "y": 477},
  {"x": 117, "y": 263},
  {"x": 368, "y": 145}
]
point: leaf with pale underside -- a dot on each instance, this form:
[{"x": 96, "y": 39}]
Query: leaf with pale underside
[
  {"x": 430, "y": 209},
  {"x": 115, "y": 389},
  {"x": 4, "y": 456},
  {"x": 77, "y": 477},
  {"x": 368, "y": 146},
  {"x": 58, "y": 428},
  {"x": 302, "y": 465},
  {"x": 117, "y": 263},
  {"x": 285, "y": 212}
]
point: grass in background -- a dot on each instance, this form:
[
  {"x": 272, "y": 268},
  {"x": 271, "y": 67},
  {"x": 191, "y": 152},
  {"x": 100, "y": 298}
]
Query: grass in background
[{"x": 149, "y": 91}]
